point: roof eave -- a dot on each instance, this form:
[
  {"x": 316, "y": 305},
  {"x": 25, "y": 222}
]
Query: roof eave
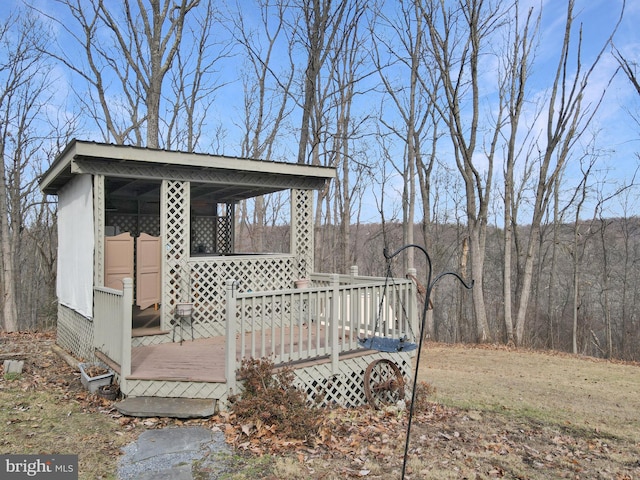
[{"x": 62, "y": 167}]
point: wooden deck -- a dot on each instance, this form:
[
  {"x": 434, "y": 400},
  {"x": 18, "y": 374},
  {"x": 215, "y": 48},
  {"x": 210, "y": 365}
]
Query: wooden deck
[
  {"x": 203, "y": 360},
  {"x": 199, "y": 360},
  {"x": 314, "y": 330}
]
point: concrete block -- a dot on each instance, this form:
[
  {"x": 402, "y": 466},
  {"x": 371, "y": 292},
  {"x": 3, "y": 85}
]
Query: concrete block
[{"x": 13, "y": 366}]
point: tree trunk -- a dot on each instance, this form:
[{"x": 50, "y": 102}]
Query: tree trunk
[
  {"x": 477, "y": 251},
  {"x": 527, "y": 278},
  {"x": 575, "y": 306},
  {"x": 9, "y": 304}
]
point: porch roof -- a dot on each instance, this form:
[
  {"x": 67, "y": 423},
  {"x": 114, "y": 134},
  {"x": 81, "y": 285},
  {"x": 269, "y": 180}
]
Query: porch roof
[{"x": 223, "y": 178}]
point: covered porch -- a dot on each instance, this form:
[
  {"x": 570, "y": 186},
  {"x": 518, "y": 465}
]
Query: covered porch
[{"x": 140, "y": 227}]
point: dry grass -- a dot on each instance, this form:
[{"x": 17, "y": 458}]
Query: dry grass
[
  {"x": 562, "y": 390},
  {"x": 46, "y": 410}
]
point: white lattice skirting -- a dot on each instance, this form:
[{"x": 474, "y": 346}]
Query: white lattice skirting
[
  {"x": 169, "y": 389},
  {"x": 75, "y": 333},
  {"x": 345, "y": 388}
]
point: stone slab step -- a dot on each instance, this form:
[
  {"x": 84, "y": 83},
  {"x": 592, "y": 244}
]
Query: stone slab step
[{"x": 166, "y": 407}]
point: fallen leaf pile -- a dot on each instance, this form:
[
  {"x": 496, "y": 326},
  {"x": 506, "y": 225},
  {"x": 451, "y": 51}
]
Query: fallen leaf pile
[{"x": 95, "y": 371}]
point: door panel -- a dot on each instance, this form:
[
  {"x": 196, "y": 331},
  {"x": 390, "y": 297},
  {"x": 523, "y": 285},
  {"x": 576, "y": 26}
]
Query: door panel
[
  {"x": 118, "y": 260},
  {"x": 148, "y": 270}
]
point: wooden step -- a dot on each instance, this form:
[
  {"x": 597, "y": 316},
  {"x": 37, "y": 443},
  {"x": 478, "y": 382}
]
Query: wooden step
[{"x": 148, "y": 332}]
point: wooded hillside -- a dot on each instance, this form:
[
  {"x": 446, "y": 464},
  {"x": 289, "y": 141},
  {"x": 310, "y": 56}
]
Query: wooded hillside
[{"x": 586, "y": 283}]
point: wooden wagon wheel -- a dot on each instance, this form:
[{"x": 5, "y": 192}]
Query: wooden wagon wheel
[{"x": 383, "y": 383}]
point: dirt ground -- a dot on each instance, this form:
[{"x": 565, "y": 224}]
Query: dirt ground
[{"x": 494, "y": 413}]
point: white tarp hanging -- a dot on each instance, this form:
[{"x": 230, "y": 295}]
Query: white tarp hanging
[{"x": 76, "y": 245}]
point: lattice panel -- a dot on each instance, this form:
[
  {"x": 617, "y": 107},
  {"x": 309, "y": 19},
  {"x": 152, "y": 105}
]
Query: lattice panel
[
  {"x": 346, "y": 388},
  {"x": 135, "y": 224},
  {"x": 149, "y": 340},
  {"x": 302, "y": 231},
  {"x": 211, "y": 234},
  {"x": 203, "y": 233},
  {"x": 175, "y": 232},
  {"x": 224, "y": 239},
  {"x": 149, "y": 224},
  {"x": 124, "y": 222},
  {"x": 208, "y": 279},
  {"x": 168, "y": 389},
  {"x": 75, "y": 333}
]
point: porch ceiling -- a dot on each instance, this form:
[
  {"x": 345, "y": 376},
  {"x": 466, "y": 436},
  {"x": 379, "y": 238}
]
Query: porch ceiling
[
  {"x": 148, "y": 189},
  {"x": 135, "y": 172}
]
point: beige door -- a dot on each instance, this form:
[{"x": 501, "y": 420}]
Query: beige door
[
  {"x": 118, "y": 260},
  {"x": 147, "y": 270}
]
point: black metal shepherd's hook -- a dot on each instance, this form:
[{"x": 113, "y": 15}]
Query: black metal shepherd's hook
[{"x": 430, "y": 285}]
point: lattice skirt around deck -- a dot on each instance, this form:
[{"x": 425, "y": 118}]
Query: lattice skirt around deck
[
  {"x": 176, "y": 389},
  {"x": 346, "y": 387}
]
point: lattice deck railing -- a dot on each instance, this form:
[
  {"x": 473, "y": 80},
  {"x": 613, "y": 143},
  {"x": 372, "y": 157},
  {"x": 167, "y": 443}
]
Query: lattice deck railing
[{"x": 324, "y": 321}]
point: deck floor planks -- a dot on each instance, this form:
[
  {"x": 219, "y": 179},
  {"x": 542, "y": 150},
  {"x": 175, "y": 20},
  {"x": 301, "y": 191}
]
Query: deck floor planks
[
  {"x": 203, "y": 360},
  {"x": 200, "y": 360}
]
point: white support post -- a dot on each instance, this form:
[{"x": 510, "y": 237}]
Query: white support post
[
  {"x": 98, "y": 235},
  {"x": 353, "y": 270},
  {"x": 335, "y": 322},
  {"x": 301, "y": 236},
  {"x": 127, "y": 302},
  {"x": 230, "y": 349}
]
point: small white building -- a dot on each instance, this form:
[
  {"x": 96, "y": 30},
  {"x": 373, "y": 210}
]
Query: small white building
[{"x": 144, "y": 234}]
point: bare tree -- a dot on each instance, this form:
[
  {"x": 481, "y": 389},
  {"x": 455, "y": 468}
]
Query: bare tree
[
  {"x": 348, "y": 61},
  {"x": 578, "y": 246},
  {"x": 629, "y": 229},
  {"x": 403, "y": 62},
  {"x": 128, "y": 52},
  {"x": 24, "y": 93},
  {"x": 329, "y": 33},
  {"x": 567, "y": 119},
  {"x": 266, "y": 86},
  {"x": 629, "y": 67},
  {"x": 606, "y": 271},
  {"x": 458, "y": 37},
  {"x": 517, "y": 66},
  {"x": 194, "y": 82},
  {"x": 320, "y": 23}
]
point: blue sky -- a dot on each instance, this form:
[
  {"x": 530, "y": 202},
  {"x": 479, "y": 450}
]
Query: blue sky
[{"x": 617, "y": 134}]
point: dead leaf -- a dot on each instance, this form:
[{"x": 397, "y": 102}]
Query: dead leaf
[{"x": 247, "y": 428}]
